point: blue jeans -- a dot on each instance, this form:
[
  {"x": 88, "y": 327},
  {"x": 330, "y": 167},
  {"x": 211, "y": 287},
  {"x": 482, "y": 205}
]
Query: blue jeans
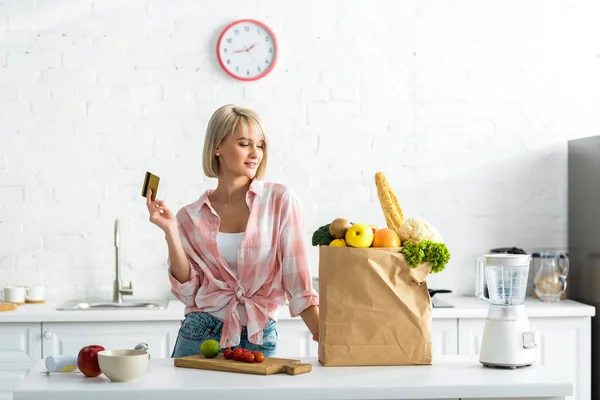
[{"x": 200, "y": 326}]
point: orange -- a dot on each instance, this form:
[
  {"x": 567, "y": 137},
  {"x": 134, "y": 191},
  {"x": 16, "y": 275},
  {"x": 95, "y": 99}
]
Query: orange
[{"x": 385, "y": 237}]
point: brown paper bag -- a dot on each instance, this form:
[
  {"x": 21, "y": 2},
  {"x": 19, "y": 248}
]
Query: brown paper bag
[{"x": 374, "y": 308}]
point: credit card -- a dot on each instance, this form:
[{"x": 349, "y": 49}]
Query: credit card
[{"x": 150, "y": 182}]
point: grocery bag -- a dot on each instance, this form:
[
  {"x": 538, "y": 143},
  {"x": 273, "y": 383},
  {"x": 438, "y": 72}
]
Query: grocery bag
[{"x": 374, "y": 308}]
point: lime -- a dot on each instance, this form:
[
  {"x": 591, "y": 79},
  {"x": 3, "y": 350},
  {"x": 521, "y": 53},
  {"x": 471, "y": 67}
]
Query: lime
[{"x": 210, "y": 348}]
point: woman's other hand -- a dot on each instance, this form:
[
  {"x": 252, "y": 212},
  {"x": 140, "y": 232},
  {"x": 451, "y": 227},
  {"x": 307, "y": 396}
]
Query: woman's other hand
[{"x": 160, "y": 215}]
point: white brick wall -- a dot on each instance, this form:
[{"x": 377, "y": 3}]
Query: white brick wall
[{"x": 465, "y": 105}]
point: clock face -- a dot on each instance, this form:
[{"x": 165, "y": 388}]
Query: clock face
[{"x": 247, "y": 50}]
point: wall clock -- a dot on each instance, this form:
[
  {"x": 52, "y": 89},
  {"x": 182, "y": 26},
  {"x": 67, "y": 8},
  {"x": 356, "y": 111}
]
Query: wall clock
[{"x": 247, "y": 50}]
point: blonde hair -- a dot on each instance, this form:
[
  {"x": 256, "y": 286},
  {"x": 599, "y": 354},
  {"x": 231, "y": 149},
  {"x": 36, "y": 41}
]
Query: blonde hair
[{"x": 224, "y": 122}]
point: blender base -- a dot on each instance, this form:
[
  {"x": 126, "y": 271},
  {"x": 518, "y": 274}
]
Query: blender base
[
  {"x": 504, "y": 366},
  {"x": 508, "y": 340}
]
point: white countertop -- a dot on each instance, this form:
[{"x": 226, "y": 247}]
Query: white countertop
[
  {"x": 471, "y": 307},
  {"x": 449, "y": 377},
  {"x": 48, "y": 312},
  {"x": 464, "y": 307}
]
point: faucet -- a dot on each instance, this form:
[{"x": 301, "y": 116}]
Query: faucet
[{"x": 118, "y": 289}]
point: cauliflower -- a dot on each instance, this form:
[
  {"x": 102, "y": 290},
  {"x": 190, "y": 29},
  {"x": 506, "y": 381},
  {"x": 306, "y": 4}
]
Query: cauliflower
[{"x": 415, "y": 230}]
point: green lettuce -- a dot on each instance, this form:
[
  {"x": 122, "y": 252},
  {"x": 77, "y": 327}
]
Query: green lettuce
[{"x": 427, "y": 251}]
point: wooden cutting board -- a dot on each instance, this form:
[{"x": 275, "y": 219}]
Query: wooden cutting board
[
  {"x": 6, "y": 306},
  {"x": 270, "y": 366}
]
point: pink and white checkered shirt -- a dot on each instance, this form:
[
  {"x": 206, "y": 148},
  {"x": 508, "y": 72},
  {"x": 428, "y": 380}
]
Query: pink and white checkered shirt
[{"x": 272, "y": 262}]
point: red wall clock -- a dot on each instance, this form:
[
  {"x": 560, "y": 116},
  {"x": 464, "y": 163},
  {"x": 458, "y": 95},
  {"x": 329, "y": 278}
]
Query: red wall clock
[{"x": 247, "y": 50}]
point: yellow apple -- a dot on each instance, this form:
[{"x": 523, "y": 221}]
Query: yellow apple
[
  {"x": 338, "y": 243},
  {"x": 359, "y": 235}
]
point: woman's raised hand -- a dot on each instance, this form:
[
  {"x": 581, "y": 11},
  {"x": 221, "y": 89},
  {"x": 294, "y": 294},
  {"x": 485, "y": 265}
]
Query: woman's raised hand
[{"x": 160, "y": 215}]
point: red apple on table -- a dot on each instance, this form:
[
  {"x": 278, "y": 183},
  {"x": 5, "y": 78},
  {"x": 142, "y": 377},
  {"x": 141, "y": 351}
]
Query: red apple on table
[{"x": 87, "y": 360}]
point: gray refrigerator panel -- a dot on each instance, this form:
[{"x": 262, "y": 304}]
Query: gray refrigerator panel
[
  {"x": 584, "y": 236},
  {"x": 584, "y": 219}
]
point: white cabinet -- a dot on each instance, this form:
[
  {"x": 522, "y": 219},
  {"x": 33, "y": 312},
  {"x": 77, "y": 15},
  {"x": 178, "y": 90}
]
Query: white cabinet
[
  {"x": 564, "y": 344},
  {"x": 23, "y": 345},
  {"x": 68, "y": 337},
  {"x": 469, "y": 335},
  {"x": 20, "y": 349},
  {"x": 444, "y": 336},
  {"x": 20, "y": 343},
  {"x": 295, "y": 340}
]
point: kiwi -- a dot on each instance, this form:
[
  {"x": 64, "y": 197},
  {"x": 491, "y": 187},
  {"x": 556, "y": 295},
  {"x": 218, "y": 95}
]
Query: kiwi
[{"x": 338, "y": 227}]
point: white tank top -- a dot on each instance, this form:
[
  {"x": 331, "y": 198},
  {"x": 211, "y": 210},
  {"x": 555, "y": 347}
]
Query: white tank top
[{"x": 229, "y": 245}]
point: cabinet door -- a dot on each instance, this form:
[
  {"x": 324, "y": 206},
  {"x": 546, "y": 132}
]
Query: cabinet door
[
  {"x": 295, "y": 340},
  {"x": 69, "y": 337},
  {"x": 564, "y": 345},
  {"x": 469, "y": 335},
  {"x": 444, "y": 336},
  {"x": 20, "y": 348},
  {"x": 20, "y": 343}
]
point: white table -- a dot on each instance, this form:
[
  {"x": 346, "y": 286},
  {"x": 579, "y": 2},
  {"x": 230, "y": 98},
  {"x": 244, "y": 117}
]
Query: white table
[{"x": 449, "y": 378}]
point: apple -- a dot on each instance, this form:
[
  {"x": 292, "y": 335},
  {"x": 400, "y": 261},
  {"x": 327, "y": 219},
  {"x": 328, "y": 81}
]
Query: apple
[
  {"x": 87, "y": 360},
  {"x": 359, "y": 235}
]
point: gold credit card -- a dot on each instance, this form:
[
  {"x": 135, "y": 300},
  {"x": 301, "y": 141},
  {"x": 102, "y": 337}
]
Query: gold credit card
[{"x": 150, "y": 182}]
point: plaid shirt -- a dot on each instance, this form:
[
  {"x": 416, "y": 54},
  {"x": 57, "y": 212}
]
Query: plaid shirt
[{"x": 272, "y": 262}]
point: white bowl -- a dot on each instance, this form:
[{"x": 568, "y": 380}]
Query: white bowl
[{"x": 123, "y": 365}]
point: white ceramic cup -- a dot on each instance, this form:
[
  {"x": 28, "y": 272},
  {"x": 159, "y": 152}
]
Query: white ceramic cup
[
  {"x": 14, "y": 294},
  {"x": 35, "y": 293}
]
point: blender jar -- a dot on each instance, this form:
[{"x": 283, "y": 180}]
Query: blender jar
[{"x": 506, "y": 278}]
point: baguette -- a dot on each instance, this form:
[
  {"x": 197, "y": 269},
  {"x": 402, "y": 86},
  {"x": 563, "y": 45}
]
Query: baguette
[{"x": 394, "y": 218}]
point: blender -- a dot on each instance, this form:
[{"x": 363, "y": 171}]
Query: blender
[{"x": 508, "y": 339}]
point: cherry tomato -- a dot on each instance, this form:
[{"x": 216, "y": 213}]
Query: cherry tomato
[
  {"x": 238, "y": 354},
  {"x": 259, "y": 357},
  {"x": 228, "y": 354},
  {"x": 249, "y": 357},
  {"x": 246, "y": 351}
]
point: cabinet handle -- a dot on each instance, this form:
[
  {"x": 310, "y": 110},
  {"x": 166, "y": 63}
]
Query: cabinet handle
[{"x": 47, "y": 335}]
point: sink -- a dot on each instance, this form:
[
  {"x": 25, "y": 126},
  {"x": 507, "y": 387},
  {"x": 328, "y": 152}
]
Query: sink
[
  {"x": 119, "y": 290},
  {"x": 107, "y": 305}
]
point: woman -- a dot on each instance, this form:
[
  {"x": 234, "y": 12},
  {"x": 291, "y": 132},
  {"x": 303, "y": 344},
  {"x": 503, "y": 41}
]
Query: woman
[{"x": 239, "y": 250}]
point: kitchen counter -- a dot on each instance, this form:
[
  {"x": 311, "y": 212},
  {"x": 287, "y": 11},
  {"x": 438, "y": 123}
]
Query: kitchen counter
[
  {"x": 464, "y": 307},
  {"x": 48, "y": 312},
  {"x": 471, "y": 307},
  {"x": 450, "y": 377}
]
